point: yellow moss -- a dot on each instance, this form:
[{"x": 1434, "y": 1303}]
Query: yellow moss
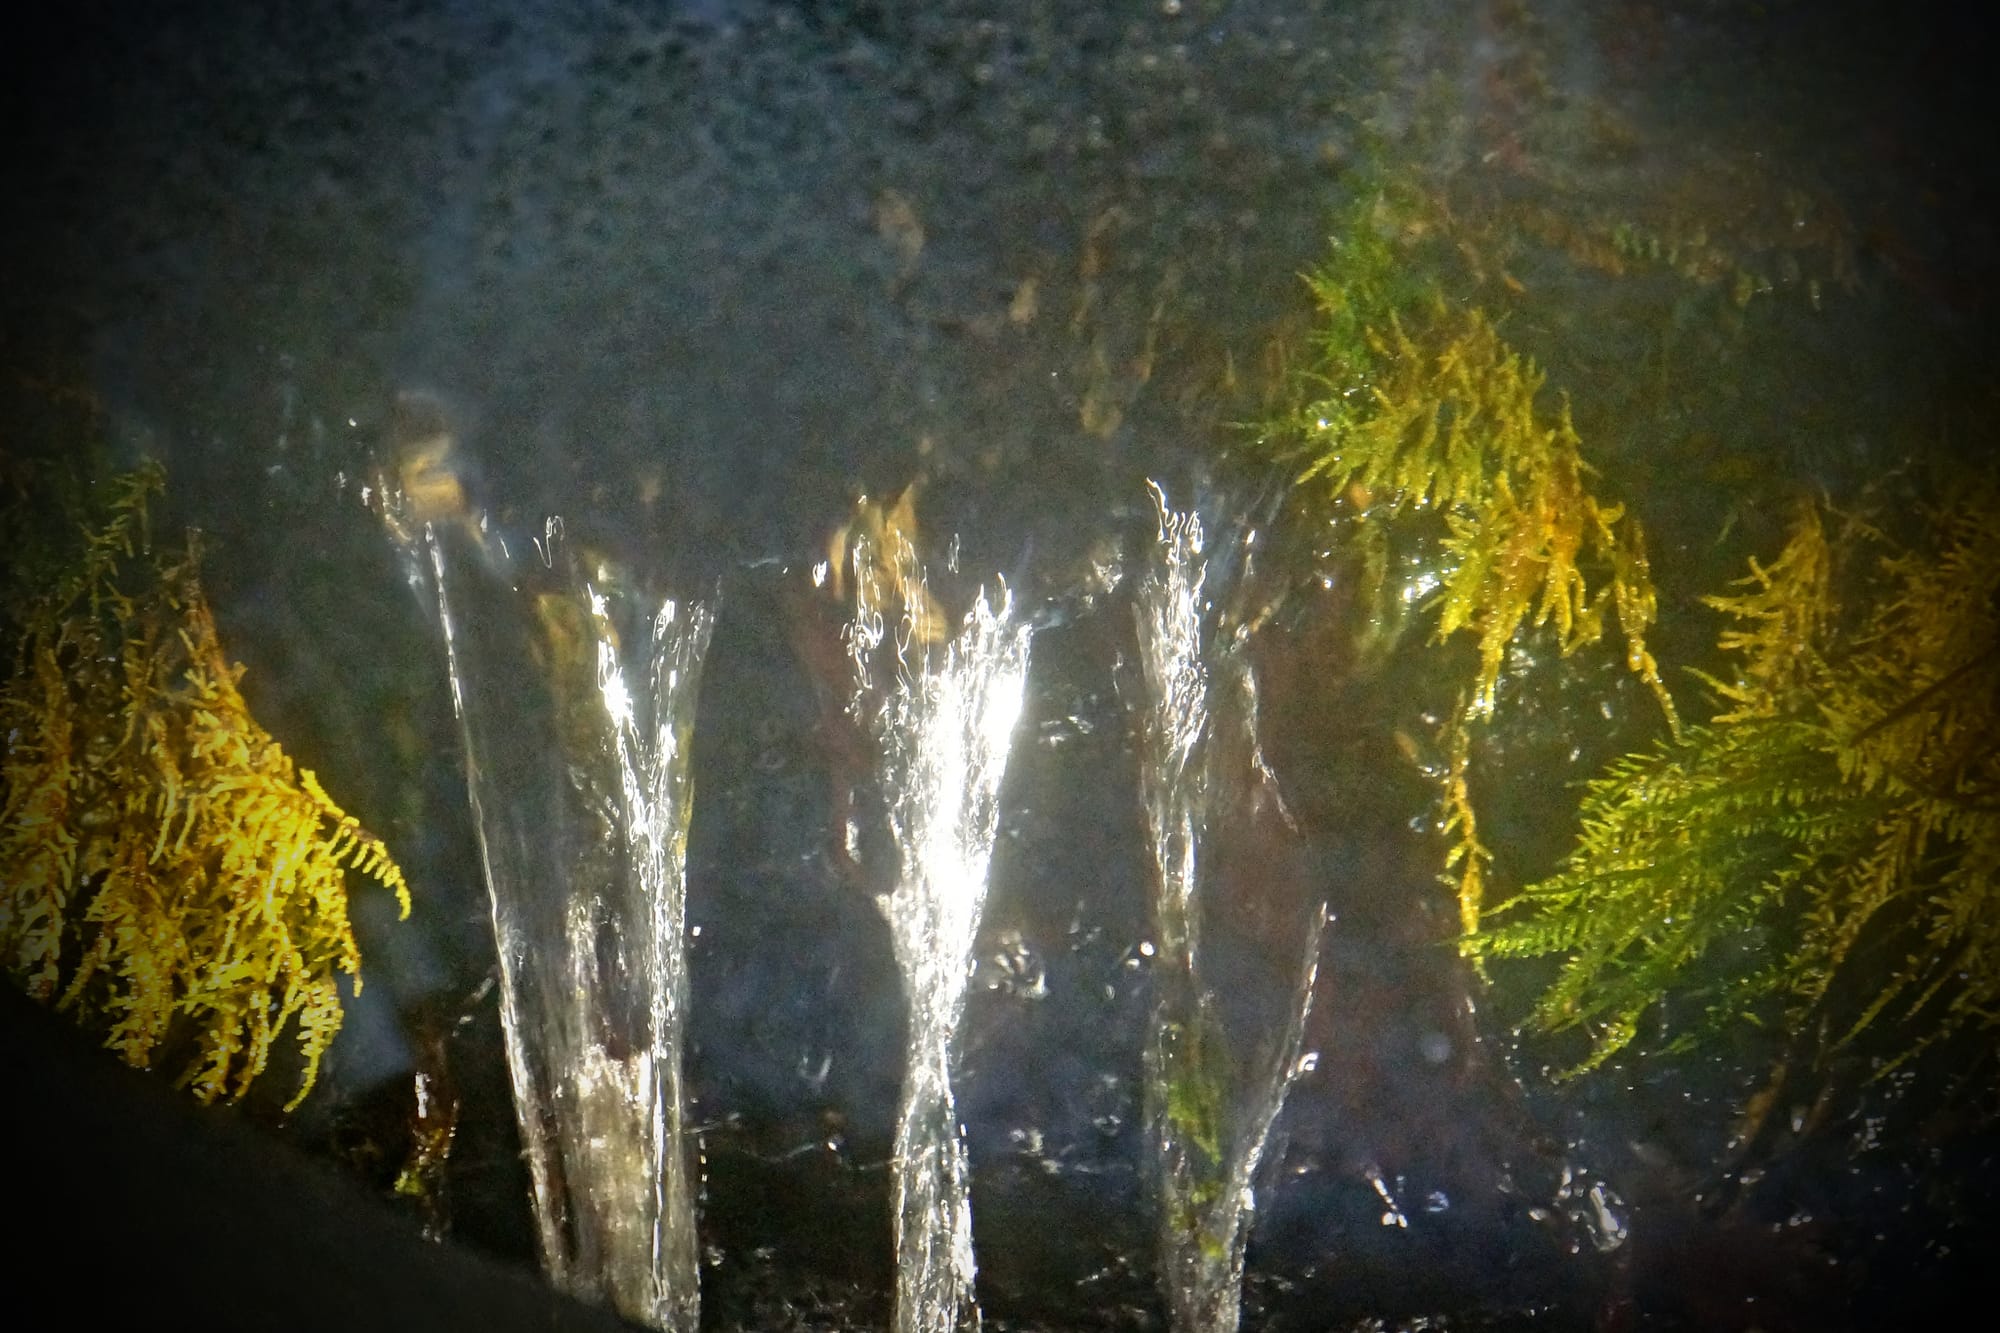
[
  {"x": 1468, "y": 857},
  {"x": 1784, "y": 617},
  {"x": 158, "y": 846}
]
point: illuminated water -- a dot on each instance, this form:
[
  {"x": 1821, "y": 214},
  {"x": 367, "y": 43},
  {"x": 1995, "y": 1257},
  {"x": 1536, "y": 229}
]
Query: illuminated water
[
  {"x": 945, "y": 720},
  {"x": 576, "y": 765},
  {"x": 1210, "y": 1111}
]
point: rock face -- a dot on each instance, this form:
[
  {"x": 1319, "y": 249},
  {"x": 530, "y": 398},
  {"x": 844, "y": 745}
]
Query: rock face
[{"x": 757, "y": 252}]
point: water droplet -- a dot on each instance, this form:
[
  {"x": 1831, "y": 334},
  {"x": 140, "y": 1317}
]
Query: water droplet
[
  {"x": 1014, "y": 968},
  {"x": 1028, "y": 1139}
]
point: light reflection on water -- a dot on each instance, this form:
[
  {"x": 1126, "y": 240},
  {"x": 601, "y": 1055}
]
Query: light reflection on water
[
  {"x": 1211, "y": 1113},
  {"x": 584, "y": 832},
  {"x": 945, "y": 719}
]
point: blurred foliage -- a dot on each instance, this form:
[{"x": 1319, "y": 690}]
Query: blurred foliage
[
  {"x": 170, "y": 878},
  {"x": 1549, "y": 166},
  {"x": 1416, "y": 425},
  {"x": 1739, "y": 228},
  {"x": 1830, "y": 839}
]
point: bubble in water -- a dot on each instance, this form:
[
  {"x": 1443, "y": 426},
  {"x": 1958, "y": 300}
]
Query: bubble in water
[{"x": 1014, "y": 968}]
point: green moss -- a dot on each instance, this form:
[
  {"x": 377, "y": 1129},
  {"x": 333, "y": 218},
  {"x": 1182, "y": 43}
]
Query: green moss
[{"x": 1191, "y": 1061}]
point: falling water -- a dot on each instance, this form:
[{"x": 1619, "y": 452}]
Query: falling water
[
  {"x": 576, "y": 753},
  {"x": 1210, "y": 1118},
  {"x": 945, "y": 722}
]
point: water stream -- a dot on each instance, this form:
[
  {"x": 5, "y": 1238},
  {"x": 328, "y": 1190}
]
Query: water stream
[
  {"x": 575, "y": 696},
  {"x": 1210, "y": 1107},
  {"x": 944, "y": 715}
]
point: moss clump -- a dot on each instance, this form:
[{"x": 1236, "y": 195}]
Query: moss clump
[
  {"x": 169, "y": 877},
  {"x": 1840, "y": 813}
]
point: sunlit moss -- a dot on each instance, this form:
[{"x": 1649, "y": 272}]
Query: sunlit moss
[
  {"x": 1842, "y": 807},
  {"x": 170, "y": 878}
]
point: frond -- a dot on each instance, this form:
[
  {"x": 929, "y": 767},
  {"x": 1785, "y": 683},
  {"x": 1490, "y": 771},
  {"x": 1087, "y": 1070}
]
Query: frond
[
  {"x": 1838, "y": 810},
  {"x": 155, "y": 833},
  {"x": 1415, "y": 407}
]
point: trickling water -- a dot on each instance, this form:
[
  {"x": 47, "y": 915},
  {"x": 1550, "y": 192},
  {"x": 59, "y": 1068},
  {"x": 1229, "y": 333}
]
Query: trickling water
[
  {"x": 1210, "y": 1116},
  {"x": 945, "y": 719},
  {"x": 577, "y": 772}
]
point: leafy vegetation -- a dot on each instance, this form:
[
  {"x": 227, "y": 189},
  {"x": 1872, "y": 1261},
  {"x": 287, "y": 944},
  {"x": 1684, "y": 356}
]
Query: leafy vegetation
[
  {"x": 54, "y": 469},
  {"x": 1829, "y": 843},
  {"x": 171, "y": 879},
  {"x": 1417, "y": 424},
  {"x": 1825, "y": 845}
]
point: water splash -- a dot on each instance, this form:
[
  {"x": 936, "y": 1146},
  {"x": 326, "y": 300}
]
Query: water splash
[
  {"x": 1209, "y": 1113},
  {"x": 577, "y": 772},
  {"x": 945, "y": 719}
]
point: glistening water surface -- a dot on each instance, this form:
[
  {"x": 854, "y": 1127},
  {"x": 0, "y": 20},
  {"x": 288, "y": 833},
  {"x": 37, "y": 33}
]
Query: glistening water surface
[
  {"x": 679, "y": 281},
  {"x": 945, "y": 727},
  {"x": 576, "y": 757},
  {"x": 1214, "y": 1088}
]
